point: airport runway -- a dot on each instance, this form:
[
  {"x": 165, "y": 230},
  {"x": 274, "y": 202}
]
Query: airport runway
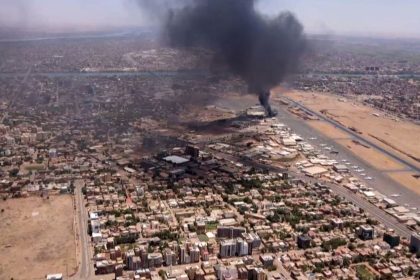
[
  {"x": 356, "y": 135},
  {"x": 381, "y": 181}
]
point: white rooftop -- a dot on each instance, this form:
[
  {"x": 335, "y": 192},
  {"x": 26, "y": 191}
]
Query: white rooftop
[
  {"x": 57, "y": 276},
  {"x": 176, "y": 159}
]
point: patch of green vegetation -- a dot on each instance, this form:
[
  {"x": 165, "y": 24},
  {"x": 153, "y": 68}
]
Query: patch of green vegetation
[
  {"x": 110, "y": 223},
  {"x": 363, "y": 273},
  {"x": 251, "y": 184},
  {"x": 14, "y": 172},
  {"x": 211, "y": 226},
  {"x": 333, "y": 244},
  {"x": 203, "y": 238},
  {"x": 167, "y": 235},
  {"x": 125, "y": 239},
  {"x": 162, "y": 274},
  {"x": 248, "y": 200},
  {"x": 272, "y": 268},
  {"x": 293, "y": 216}
]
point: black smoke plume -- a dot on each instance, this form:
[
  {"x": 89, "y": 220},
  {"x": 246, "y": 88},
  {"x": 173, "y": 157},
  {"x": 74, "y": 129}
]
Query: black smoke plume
[{"x": 259, "y": 49}]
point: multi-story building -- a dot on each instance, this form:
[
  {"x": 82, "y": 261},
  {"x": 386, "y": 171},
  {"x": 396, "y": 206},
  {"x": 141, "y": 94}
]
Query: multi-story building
[
  {"x": 228, "y": 248},
  {"x": 267, "y": 260},
  {"x": 154, "y": 260},
  {"x": 169, "y": 257},
  {"x": 242, "y": 273},
  {"x": 415, "y": 243},
  {"x": 242, "y": 247},
  {"x": 230, "y": 232},
  {"x": 392, "y": 239},
  {"x": 365, "y": 232},
  {"x": 303, "y": 241},
  {"x": 129, "y": 256},
  {"x": 195, "y": 254},
  {"x": 184, "y": 257},
  {"x": 253, "y": 240},
  {"x": 259, "y": 274},
  {"x": 143, "y": 256}
]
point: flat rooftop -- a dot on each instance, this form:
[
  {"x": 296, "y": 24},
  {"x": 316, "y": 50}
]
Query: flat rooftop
[{"x": 176, "y": 159}]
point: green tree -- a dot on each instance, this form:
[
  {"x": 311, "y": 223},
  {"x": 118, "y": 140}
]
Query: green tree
[
  {"x": 248, "y": 200},
  {"x": 346, "y": 262},
  {"x": 333, "y": 244},
  {"x": 14, "y": 172},
  {"x": 162, "y": 274},
  {"x": 363, "y": 273}
]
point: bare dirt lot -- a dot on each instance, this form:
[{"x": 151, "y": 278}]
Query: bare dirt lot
[
  {"x": 398, "y": 136},
  {"x": 37, "y": 237},
  {"x": 371, "y": 156},
  {"x": 406, "y": 179},
  {"x": 328, "y": 129}
]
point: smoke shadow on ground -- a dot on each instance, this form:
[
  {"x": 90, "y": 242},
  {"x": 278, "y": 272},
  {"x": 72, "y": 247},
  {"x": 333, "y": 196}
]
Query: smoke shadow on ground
[{"x": 217, "y": 127}]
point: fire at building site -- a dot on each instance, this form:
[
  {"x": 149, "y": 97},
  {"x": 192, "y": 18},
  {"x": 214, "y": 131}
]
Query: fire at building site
[
  {"x": 140, "y": 151},
  {"x": 260, "y": 50}
]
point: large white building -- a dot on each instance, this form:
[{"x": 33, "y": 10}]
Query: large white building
[{"x": 228, "y": 248}]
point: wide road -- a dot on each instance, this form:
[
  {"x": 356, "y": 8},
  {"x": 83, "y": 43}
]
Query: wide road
[
  {"x": 381, "y": 182},
  {"x": 375, "y": 212},
  {"x": 85, "y": 266},
  {"x": 355, "y": 135}
]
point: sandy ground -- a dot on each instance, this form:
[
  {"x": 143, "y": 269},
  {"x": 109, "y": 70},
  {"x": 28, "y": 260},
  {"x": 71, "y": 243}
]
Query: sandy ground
[
  {"x": 402, "y": 135},
  {"x": 406, "y": 179},
  {"x": 37, "y": 237},
  {"x": 328, "y": 129},
  {"x": 371, "y": 156},
  {"x": 399, "y": 135}
]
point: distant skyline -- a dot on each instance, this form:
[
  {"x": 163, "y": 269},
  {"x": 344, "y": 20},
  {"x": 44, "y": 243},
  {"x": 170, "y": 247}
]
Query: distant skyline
[{"x": 386, "y": 18}]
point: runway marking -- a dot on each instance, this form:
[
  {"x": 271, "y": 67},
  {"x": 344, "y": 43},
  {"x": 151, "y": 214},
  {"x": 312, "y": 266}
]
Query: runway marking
[{"x": 355, "y": 135}]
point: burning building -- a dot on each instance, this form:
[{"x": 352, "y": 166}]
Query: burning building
[{"x": 261, "y": 50}]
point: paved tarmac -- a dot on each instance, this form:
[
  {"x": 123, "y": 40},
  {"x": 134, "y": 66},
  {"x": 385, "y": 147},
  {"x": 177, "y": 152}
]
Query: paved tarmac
[
  {"x": 85, "y": 266},
  {"x": 381, "y": 182},
  {"x": 357, "y": 136}
]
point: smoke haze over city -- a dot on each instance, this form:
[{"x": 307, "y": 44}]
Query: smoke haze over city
[{"x": 372, "y": 17}]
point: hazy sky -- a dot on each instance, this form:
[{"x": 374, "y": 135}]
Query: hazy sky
[
  {"x": 365, "y": 17},
  {"x": 70, "y": 13}
]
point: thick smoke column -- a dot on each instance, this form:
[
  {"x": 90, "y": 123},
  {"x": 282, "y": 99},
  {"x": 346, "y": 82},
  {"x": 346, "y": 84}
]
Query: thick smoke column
[
  {"x": 264, "y": 98},
  {"x": 261, "y": 50}
]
